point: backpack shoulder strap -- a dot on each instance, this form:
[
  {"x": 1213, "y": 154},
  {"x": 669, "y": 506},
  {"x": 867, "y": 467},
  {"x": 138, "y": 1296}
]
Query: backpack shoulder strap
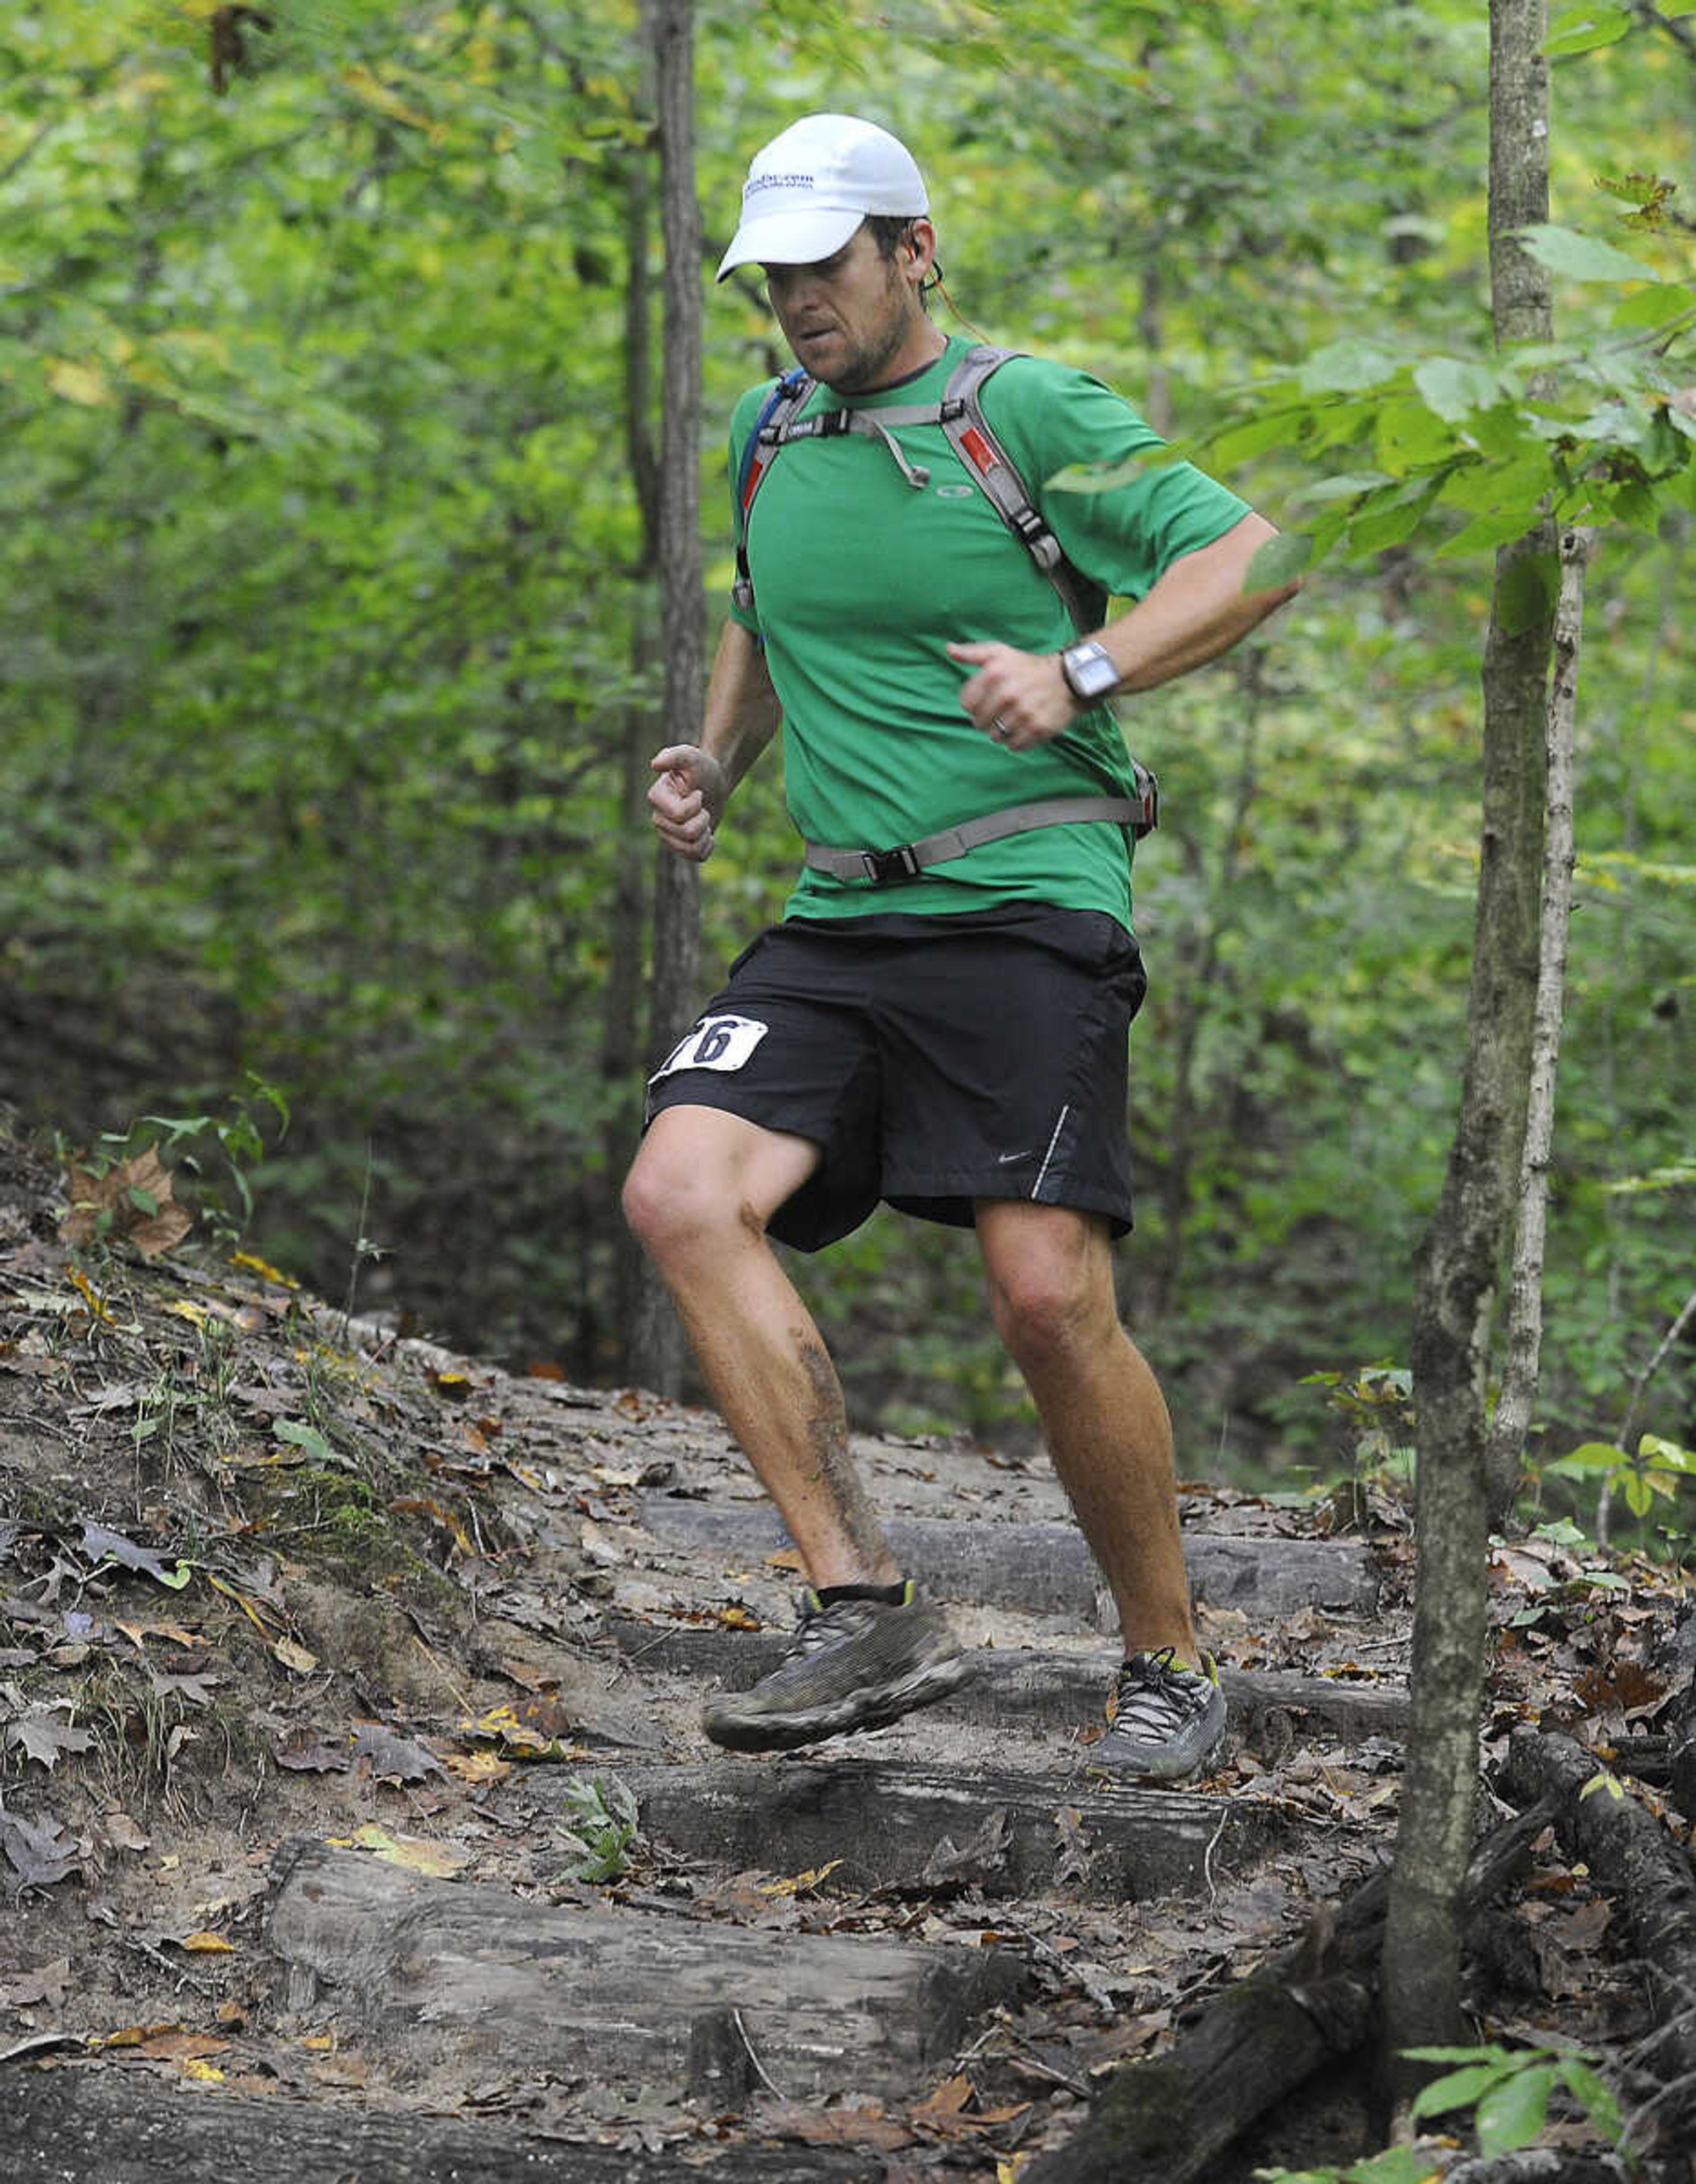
[
  {"x": 758, "y": 449},
  {"x": 986, "y": 461}
]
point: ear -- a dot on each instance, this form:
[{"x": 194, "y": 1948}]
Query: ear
[{"x": 921, "y": 247}]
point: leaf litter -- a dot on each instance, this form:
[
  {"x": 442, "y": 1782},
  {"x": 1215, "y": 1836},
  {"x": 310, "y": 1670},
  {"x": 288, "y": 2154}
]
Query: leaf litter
[{"x": 430, "y": 1513}]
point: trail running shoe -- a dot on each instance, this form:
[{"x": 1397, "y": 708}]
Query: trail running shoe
[
  {"x": 851, "y": 1664},
  {"x": 1165, "y": 1721}
]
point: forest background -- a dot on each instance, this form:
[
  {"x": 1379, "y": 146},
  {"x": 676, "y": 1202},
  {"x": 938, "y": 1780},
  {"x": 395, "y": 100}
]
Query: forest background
[{"x": 329, "y": 644}]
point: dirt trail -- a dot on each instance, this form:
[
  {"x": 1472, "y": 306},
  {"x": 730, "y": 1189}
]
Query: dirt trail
[{"x": 332, "y": 1667}]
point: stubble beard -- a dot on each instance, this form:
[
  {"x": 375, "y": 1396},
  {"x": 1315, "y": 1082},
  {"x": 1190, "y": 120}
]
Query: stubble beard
[{"x": 866, "y": 366}]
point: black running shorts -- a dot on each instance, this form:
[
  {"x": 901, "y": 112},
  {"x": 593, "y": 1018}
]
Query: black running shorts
[{"x": 934, "y": 1060}]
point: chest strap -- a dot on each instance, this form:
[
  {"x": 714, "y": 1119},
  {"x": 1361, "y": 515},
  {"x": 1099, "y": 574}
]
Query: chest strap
[{"x": 909, "y": 859}]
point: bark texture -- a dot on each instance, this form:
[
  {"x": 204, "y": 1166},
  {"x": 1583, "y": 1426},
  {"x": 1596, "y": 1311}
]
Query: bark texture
[
  {"x": 1168, "y": 2121},
  {"x": 657, "y": 1348},
  {"x": 1629, "y": 1852},
  {"x": 1459, "y": 1263},
  {"x": 1512, "y": 1420}
]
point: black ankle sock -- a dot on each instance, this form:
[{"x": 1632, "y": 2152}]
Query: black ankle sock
[{"x": 891, "y": 1596}]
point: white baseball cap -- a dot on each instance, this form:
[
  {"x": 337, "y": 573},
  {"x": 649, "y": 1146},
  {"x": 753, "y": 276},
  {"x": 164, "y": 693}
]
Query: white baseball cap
[{"x": 810, "y": 188}]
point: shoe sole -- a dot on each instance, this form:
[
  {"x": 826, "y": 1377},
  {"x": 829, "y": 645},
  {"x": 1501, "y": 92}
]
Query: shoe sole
[{"x": 779, "y": 1732}]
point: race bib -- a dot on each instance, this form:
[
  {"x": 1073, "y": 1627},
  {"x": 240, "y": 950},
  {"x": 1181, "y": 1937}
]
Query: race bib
[{"x": 722, "y": 1042}]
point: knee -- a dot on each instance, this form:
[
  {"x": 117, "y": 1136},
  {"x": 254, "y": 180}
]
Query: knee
[
  {"x": 677, "y": 1200},
  {"x": 1048, "y": 1310},
  {"x": 669, "y": 1203}
]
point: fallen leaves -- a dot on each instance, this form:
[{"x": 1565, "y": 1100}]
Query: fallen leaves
[
  {"x": 440, "y": 1861},
  {"x": 104, "y": 1545},
  {"x": 40, "y": 1853},
  {"x": 48, "y": 1984},
  {"x": 536, "y": 1728},
  {"x": 42, "y": 1738},
  {"x": 132, "y": 1199}
]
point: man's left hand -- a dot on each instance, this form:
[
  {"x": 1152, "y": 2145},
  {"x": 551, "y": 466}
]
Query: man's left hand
[{"x": 1018, "y": 699}]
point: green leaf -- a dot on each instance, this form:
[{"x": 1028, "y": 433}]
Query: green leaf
[
  {"x": 1639, "y": 1493},
  {"x": 1458, "y": 2089},
  {"x": 1512, "y": 2114},
  {"x": 1283, "y": 429},
  {"x": 1410, "y": 435},
  {"x": 1581, "y": 257},
  {"x": 1581, "y": 29},
  {"x": 1277, "y": 561},
  {"x": 307, "y": 1437},
  {"x": 1589, "y": 1456},
  {"x": 1595, "y": 2092},
  {"x": 1344, "y": 367},
  {"x": 1646, "y": 308},
  {"x": 1347, "y": 485},
  {"x": 142, "y": 1200},
  {"x": 1453, "y": 386}
]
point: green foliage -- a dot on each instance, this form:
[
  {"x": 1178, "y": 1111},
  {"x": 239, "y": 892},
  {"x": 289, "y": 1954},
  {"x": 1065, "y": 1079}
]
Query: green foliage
[
  {"x": 600, "y": 1828},
  {"x": 1657, "y": 1469},
  {"x": 1395, "y": 2165},
  {"x": 1507, "y": 2093},
  {"x": 325, "y": 601}
]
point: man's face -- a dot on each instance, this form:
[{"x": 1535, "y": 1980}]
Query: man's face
[{"x": 849, "y": 317}]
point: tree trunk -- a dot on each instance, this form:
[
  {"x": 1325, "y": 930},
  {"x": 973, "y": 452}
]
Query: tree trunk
[
  {"x": 1459, "y": 1261},
  {"x": 656, "y": 1344},
  {"x": 1512, "y": 1421},
  {"x": 623, "y": 1043}
]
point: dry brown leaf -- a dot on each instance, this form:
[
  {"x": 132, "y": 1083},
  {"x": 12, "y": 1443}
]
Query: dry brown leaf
[
  {"x": 38, "y": 1736},
  {"x": 797, "y": 1882},
  {"x": 132, "y": 1199},
  {"x": 858, "y": 2127},
  {"x": 123, "y": 1834},
  {"x": 950, "y": 2098},
  {"x": 176, "y": 2045},
  {"x": 475, "y": 1767},
  {"x": 48, "y": 1983},
  {"x": 439, "y": 1859}
]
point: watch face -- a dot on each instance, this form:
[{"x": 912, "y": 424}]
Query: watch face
[{"x": 1089, "y": 671}]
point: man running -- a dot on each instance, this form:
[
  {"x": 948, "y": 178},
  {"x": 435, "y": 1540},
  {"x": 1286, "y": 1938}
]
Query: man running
[{"x": 939, "y": 1020}]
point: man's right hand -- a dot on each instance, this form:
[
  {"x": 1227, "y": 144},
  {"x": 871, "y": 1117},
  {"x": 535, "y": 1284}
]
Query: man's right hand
[{"x": 687, "y": 799}]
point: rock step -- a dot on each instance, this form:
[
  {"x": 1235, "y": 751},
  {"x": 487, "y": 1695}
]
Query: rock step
[
  {"x": 1045, "y": 1568},
  {"x": 467, "y": 1971},
  {"x": 1061, "y": 1690},
  {"x": 107, "y": 2126},
  {"x": 901, "y": 1825}
]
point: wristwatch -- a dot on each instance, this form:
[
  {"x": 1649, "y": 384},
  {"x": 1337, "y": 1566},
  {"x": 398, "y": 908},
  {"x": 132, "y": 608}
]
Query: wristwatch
[{"x": 1089, "y": 671}]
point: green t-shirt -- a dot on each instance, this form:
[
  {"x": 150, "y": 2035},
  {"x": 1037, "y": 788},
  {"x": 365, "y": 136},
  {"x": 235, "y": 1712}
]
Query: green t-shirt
[{"x": 861, "y": 580}]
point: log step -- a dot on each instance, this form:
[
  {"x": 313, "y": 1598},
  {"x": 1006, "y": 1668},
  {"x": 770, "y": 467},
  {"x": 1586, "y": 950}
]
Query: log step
[
  {"x": 108, "y": 2126},
  {"x": 467, "y": 1971},
  {"x": 1061, "y": 1690},
  {"x": 896, "y": 1826},
  {"x": 1045, "y": 1568}
]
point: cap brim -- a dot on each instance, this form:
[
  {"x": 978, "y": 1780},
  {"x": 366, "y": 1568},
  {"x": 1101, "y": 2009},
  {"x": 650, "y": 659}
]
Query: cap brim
[{"x": 789, "y": 238}]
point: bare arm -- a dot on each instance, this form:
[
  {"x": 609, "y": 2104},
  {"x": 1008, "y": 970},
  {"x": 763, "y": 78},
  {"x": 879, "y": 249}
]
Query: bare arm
[
  {"x": 1197, "y": 609},
  {"x": 694, "y": 781}
]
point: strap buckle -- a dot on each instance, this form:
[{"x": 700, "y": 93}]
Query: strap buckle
[{"x": 882, "y": 866}]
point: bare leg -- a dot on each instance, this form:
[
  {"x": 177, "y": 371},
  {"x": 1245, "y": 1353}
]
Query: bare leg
[
  {"x": 1050, "y": 1277},
  {"x": 698, "y": 1195}
]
